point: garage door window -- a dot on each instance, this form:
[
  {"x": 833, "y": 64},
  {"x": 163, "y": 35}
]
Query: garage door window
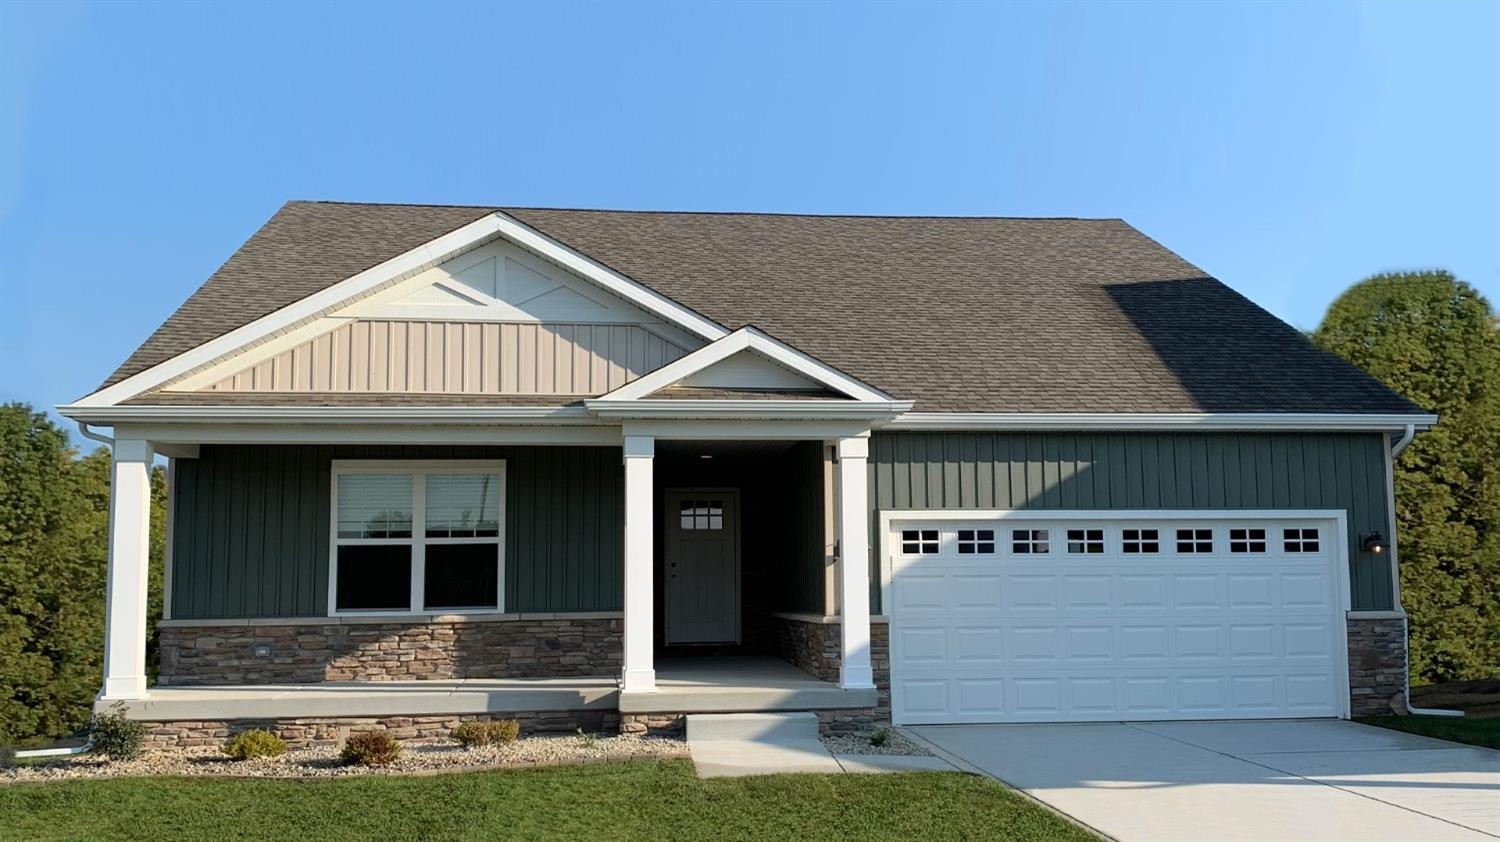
[
  {"x": 1137, "y": 541},
  {"x": 919, "y": 541},
  {"x": 1088, "y": 541},
  {"x": 1247, "y": 540},
  {"x": 1300, "y": 540},
  {"x": 1029, "y": 541},
  {"x": 976, "y": 541},
  {"x": 1192, "y": 541}
]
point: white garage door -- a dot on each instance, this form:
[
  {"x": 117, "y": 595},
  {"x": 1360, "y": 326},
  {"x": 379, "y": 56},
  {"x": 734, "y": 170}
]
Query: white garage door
[{"x": 1012, "y": 619}]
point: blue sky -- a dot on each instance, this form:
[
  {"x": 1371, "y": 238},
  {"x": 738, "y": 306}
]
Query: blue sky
[{"x": 1289, "y": 150}]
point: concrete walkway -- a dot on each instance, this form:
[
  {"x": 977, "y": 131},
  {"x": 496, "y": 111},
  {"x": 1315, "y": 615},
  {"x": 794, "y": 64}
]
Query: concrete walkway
[
  {"x": 738, "y": 744},
  {"x": 1292, "y": 780}
]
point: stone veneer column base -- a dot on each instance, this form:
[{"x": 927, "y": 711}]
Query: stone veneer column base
[
  {"x": 814, "y": 647},
  {"x": 1377, "y": 665},
  {"x": 300, "y": 733},
  {"x": 309, "y": 653}
]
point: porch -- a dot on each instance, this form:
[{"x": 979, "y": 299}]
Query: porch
[
  {"x": 683, "y": 685},
  {"x": 584, "y": 622}
]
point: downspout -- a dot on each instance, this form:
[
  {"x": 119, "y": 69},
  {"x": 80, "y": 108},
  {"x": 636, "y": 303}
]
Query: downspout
[
  {"x": 87, "y": 433},
  {"x": 1390, "y": 480}
]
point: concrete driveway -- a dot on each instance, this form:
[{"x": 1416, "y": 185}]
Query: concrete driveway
[{"x": 1294, "y": 780}]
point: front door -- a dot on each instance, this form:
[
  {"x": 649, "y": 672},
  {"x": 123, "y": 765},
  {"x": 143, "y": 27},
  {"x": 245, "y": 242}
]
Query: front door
[{"x": 702, "y": 561}]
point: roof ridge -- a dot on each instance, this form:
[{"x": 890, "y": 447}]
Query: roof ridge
[{"x": 660, "y": 211}]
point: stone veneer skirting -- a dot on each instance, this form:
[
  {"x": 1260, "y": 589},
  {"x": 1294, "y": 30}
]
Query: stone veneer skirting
[
  {"x": 1377, "y": 665},
  {"x": 307, "y": 653},
  {"x": 813, "y": 646},
  {"x": 299, "y": 733}
]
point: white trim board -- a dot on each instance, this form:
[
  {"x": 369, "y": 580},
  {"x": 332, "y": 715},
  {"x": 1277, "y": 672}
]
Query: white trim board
[{"x": 422, "y": 257}]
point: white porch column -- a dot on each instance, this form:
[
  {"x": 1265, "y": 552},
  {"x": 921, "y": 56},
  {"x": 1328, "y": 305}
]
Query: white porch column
[
  {"x": 129, "y": 541},
  {"x": 854, "y": 563},
  {"x": 639, "y": 672}
]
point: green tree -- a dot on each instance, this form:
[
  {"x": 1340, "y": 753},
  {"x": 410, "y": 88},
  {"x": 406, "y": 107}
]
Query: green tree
[
  {"x": 1434, "y": 339},
  {"x": 54, "y": 517}
]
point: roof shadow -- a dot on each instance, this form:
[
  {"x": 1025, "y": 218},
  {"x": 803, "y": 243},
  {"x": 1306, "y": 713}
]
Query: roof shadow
[{"x": 1230, "y": 355}]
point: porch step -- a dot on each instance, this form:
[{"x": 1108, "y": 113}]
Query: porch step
[{"x": 759, "y": 727}]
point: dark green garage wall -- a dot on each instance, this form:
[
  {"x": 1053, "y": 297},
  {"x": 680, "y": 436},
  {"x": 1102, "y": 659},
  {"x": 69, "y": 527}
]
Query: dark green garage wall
[
  {"x": 250, "y": 527},
  {"x": 1145, "y": 471}
]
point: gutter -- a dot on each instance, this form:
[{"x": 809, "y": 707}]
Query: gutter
[
  {"x": 1401, "y": 444},
  {"x": 1166, "y": 421}
]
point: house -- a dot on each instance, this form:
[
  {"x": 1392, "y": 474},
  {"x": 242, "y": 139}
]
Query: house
[{"x": 600, "y": 469}]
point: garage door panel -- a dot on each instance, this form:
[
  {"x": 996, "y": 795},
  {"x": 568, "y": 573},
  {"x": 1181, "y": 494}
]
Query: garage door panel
[{"x": 1032, "y": 637}]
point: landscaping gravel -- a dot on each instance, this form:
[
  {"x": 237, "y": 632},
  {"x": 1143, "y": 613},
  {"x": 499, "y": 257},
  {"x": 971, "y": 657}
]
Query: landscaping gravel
[
  {"x": 322, "y": 762},
  {"x": 859, "y": 743}
]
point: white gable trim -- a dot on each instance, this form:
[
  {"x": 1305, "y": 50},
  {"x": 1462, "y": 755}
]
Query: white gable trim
[
  {"x": 422, "y": 257},
  {"x": 744, "y": 339}
]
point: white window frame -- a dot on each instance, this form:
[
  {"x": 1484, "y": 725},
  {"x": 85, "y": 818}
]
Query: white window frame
[{"x": 418, "y": 542}]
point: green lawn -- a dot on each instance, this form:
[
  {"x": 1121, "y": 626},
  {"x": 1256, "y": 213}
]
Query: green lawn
[
  {"x": 640, "y": 799},
  {"x": 1479, "y": 732}
]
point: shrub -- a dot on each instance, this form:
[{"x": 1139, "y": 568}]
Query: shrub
[
  {"x": 476, "y": 733},
  {"x": 116, "y": 737},
  {"x": 370, "y": 748},
  {"x": 587, "y": 738},
  {"x": 248, "y": 745},
  {"x": 880, "y": 737}
]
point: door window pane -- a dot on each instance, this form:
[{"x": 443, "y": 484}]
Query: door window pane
[
  {"x": 374, "y": 577},
  {"x": 1089, "y": 541},
  {"x": 463, "y": 505},
  {"x": 1029, "y": 541},
  {"x": 1247, "y": 540},
  {"x": 919, "y": 541},
  {"x": 702, "y": 514},
  {"x": 461, "y": 576},
  {"x": 1141, "y": 541},
  {"x": 976, "y": 541},
  {"x": 375, "y": 506}
]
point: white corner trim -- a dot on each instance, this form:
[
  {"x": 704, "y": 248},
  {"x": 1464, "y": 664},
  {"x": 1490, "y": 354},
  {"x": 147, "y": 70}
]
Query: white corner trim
[
  {"x": 1123, "y": 421},
  {"x": 428, "y": 254},
  {"x": 746, "y": 339}
]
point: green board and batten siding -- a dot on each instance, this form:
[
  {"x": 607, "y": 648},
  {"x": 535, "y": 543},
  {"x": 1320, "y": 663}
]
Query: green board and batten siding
[
  {"x": 251, "y": 522},
  {"x": 1146, "y": 471},
  {"x": 251, "y": 527}
]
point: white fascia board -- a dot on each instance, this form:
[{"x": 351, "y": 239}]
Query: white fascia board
[
  {"x": 328, "y": 414},
  {"x": 428, "y": 254},
  {"x": 198, "y": 433},
  {"x": 1267, "y": 421},
  {"x": 746, "y": 409},
  {"x": 747, "y": 339}
]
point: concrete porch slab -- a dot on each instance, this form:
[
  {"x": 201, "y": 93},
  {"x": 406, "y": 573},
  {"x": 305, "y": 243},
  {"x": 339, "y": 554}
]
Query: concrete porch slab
[
  {"x": 371, "y": 698},
  {"x": 721, "y": 685}
]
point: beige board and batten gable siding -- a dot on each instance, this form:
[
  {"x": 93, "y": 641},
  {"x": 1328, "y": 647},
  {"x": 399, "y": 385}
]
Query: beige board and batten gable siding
[
  {"x": 495, "y": 320},
  {"x": 443, "y": 357}
]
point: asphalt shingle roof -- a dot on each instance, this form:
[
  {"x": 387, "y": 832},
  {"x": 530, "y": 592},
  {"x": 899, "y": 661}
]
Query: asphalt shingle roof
[{"x": 959, "y": 314}]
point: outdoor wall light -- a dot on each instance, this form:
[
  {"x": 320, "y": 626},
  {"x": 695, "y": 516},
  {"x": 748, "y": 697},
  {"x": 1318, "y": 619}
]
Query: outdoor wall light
[{"x": 1373, "y": 543}]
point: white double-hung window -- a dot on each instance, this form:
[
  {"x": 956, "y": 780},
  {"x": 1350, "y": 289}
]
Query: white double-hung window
[{"x": 417, "y": 536}]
